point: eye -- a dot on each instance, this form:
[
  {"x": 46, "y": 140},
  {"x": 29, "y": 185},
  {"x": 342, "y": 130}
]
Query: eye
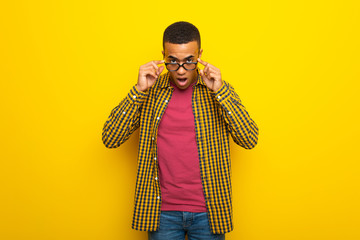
[
  {"x": 188, "y": 60},
  {"x": 172, "y": 61}
]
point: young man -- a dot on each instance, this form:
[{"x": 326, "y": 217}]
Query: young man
[{"x": 186, "y": 117}]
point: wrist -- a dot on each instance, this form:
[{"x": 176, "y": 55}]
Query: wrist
[
  {"x": 217, "y": 88},
  {"x": 140, "y": 89}
]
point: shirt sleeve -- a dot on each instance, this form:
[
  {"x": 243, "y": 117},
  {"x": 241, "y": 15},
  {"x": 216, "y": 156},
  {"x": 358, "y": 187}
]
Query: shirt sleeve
[
  {"x": 124, "y": 119},
  {"x": 242, "y": 128}
]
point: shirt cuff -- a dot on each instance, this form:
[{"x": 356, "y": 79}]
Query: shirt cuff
[
  {"x": 137, "y": 97},
  {"x": 223, "y": 93}
]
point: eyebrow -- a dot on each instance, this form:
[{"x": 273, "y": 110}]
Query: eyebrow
[{"x": 172, "y": 57}]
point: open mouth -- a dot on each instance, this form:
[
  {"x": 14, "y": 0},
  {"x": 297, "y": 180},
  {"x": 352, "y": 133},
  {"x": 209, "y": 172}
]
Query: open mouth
[{"x": 182, "y": 79}]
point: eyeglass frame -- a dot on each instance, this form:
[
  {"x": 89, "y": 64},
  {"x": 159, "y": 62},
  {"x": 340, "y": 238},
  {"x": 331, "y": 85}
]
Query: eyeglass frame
[{"x": 181, "y": 65}]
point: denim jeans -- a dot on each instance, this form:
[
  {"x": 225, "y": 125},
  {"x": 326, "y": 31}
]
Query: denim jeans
[{"x": 174, "y": 225}]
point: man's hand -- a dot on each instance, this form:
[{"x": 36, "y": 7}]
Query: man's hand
[
  {"x": 148, "y": 73},
  {"x": 211, "y": 76}
]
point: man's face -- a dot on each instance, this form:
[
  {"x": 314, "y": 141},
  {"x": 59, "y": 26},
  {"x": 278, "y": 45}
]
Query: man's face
[{"x": 182, "y": 53}]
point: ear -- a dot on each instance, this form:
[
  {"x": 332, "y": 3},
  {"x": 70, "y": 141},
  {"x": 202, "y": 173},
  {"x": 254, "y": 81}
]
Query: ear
[{"x": 200, "y": 53}]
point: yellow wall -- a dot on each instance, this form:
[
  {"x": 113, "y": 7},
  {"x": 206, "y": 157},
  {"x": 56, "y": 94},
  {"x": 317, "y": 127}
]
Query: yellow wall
[{"x": 64, "y": 65}]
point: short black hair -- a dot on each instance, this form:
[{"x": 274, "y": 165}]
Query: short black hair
[{"x": 181, "y": 32}]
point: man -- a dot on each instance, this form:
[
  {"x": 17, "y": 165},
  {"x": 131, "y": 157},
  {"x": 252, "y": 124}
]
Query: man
[{"x": 186, "y": 116}]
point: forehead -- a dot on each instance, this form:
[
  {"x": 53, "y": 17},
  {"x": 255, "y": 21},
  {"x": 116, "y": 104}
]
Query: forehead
[{"x": 181, "y": 50}]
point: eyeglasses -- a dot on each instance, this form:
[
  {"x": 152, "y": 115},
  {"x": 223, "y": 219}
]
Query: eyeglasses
[{"x": 172, "y": 67}]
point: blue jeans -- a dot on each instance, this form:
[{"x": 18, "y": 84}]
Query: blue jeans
[{"x": 174, "y": 225}]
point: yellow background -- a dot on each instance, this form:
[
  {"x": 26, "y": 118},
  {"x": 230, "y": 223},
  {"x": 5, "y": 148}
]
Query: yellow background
[{"x": 64, "y": 65}]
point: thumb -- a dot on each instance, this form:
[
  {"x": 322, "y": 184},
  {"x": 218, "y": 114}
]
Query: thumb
[
  {"x": 161, "y": 68},
  {"x": 202, "y": 74}
]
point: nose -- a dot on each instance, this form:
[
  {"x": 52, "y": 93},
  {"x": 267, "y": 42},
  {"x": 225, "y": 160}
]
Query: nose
[{"x": 181, "y": 70}]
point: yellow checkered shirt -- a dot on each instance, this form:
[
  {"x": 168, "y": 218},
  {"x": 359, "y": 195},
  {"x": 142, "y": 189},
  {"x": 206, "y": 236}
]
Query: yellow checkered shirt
[{"x": 218, "y": 115}]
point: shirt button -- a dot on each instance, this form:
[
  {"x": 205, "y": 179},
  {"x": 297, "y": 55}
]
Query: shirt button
[
  {"x": 218, "y": 97},
  {"x": 155, "y": 158},
  {"x": 158, "y": 118},
  {"x": 229, "y": 112},
  {"x": 158, "y": 197},
  {"x": 153, "y": 138},
  {"x": 124, "y": 112},
  {"x": 134, "y": 96},
  {"x": 166, "y": 100},
  {"x": 156, "y": 178}
]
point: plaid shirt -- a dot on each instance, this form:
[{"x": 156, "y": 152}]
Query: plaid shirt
[{"x": 218, "y": 115}]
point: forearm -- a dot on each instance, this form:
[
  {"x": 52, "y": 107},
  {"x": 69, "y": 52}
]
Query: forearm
[
  {"x": 124, "y": 119},
  {"x": 241, "y": 126}
]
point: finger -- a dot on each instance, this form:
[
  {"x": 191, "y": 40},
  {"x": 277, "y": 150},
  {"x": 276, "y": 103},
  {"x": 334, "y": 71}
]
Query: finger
[
  {"x": 207, "y": 69},
  {"x": 202, "y": 74},
  {"x": 156, "y": 68},
  {"x": 154, "y": 65},
  {"x": 202, "y": 62},
  {"x": 211, "y": 75},
  {"x": 159, "y": 70},
  {"x": 158, "y": 61},
  {"x": 151, "y": 70},
  {"x": 151, "y": 73}
]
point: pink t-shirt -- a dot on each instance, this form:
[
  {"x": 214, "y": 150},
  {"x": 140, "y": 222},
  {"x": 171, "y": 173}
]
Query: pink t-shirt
[{"x": 178, "y": 158}]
